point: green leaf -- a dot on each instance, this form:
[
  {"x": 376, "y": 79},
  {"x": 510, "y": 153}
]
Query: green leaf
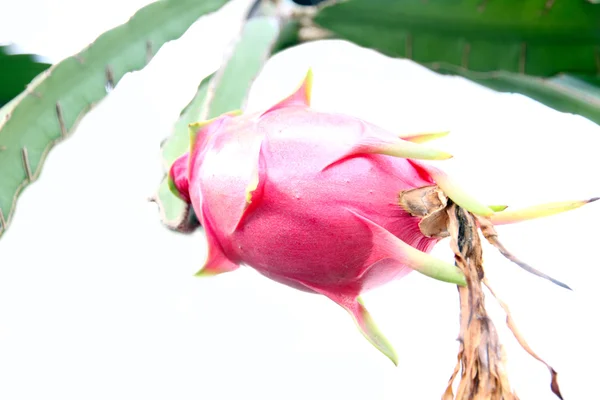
[
  {"x": 51, "y": 107},
  {"x": 16, "y": 71},
  {"x": 534, "y": 37},
  {"x": 232, "y": 82},
  {"x": 224, "y": 91},
  {"x": 177, "y": 144},
  {"x": 547, "y": 50},
  {"x": 566, "y": 93}
]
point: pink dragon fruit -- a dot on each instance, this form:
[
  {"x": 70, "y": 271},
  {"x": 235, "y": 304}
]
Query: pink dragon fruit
[{"x": 311, "y": 200}]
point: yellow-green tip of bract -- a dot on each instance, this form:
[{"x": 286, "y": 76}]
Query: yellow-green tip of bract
[
  {"x": 539, "y": 211},
  {"x": 456, "y": 193},
  {"x": 406, "y": 149},
  {"x": 205, "y": 273},
  {"x": 370, "y": 331},
  {"x": 252, "y": 185},
  {"x": 423, "y": 137},
  {"x": 195, "y": 127},
  {"x": 434, "y": 267},
  {"x": 213, "y": 270},
  {"x": 307, "y": 83},
  {"x": 216, "y": 261}
]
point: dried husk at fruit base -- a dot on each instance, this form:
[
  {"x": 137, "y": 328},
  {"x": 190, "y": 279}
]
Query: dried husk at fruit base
[{"x": 481, "y": 359}]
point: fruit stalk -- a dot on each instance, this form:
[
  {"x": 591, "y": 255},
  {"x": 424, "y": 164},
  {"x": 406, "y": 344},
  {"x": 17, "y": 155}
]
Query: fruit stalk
[{"x": 481, "y": 359}]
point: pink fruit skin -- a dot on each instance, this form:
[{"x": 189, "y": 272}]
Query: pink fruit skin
[
  {"x": 311, "y": 200},
  {"x": 303, "y": 197}
]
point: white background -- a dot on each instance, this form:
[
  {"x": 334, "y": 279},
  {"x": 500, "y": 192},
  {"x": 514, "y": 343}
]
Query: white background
[{"x": 97, "y": 298}]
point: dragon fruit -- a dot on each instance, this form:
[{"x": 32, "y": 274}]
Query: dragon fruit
[{"x": 325, "y": 203}]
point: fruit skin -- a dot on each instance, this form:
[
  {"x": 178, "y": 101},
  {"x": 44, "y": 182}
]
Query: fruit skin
[
  {"x": 310, "y": 200},
  {"x": 326, "y": 203}
]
